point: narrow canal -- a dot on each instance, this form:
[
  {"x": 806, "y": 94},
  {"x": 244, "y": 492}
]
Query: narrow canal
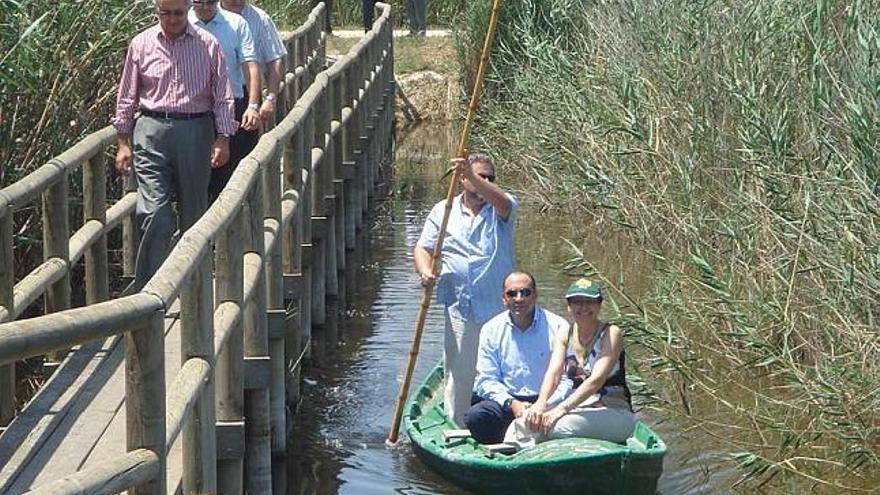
[{"x": 339, "y": 433}]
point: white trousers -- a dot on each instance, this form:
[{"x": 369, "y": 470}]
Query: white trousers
[
  {"x": 461, "y": 339},
  {"x": 614, "y": 424}
]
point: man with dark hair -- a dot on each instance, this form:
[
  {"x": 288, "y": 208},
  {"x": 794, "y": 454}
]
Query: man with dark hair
[
  {"x": 234, "y": 36},
  {"x": 175, "y": 75},
  {"x": 514, "y": 352},
  {"x": 478, "y": 252},
  {"x": 270, "y": 49}
]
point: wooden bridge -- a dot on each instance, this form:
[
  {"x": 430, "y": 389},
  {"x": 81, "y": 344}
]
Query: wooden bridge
[{"x": 185, "y": 385}]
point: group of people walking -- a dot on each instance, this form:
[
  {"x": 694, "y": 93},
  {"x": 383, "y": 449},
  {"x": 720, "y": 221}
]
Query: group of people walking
[
  {"x": 189, "y": 108},
  {"x": 514, "y": 371}
]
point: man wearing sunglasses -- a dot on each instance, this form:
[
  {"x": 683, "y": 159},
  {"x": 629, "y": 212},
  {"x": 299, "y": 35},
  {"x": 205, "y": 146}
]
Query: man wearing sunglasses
[
  {"x": 234, "y": 36},
  {"x": 514, "y": 352},
  {"x": 477, "y": 254},
  {"x": 175, "y": 75}
]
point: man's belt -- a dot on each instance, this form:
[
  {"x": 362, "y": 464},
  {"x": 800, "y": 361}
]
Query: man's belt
[{"x": 159, "y": 114}]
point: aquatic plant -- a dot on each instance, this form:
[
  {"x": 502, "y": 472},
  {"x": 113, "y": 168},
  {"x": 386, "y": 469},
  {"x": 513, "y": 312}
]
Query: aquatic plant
[{"x": 736, "y": 143}]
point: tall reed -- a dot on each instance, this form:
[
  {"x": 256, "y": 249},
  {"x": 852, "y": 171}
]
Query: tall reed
[{"x": 736, "y": 143}]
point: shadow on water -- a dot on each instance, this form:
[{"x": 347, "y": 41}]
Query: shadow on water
[{"x": 337, "y": 444}]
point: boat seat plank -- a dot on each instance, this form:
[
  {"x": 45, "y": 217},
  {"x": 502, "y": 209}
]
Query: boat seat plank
[
  {"x": 501, "y": 448},
  {"x": 454, "y": 434}
]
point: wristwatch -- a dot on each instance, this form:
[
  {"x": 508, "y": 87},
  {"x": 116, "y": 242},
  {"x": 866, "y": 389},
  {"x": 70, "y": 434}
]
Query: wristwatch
[
  {"x": 270, "y": 97},
  {"x": 253, "y": 106},
  {"x": 508, "y": 403}
]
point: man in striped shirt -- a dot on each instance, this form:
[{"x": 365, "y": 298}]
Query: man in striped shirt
[
  {"x": 270, "y": 49},
  {"x": 175, "y": 75}
]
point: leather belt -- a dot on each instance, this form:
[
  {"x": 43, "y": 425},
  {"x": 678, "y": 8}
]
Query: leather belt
[{"x": 159, "y": 114}]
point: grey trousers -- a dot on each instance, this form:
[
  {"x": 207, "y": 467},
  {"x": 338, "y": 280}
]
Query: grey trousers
[
  {"x": 416, "y": 10},
  {"x": 172, "y": 159}
]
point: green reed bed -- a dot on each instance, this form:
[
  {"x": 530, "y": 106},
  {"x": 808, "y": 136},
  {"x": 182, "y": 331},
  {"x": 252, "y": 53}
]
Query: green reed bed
[{"x": 736, "y": 143}]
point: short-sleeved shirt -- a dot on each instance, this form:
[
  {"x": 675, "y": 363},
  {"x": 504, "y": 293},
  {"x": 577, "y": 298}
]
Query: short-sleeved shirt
[
  {"x": 267, "y": 41},
  {"x": 512, "y": 362},
  {"x": 478, "y": 252},
  {"x": 234, "y": 36}
]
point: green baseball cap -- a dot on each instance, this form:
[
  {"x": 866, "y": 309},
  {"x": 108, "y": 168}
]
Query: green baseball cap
[{"x": 584, "y": 287}]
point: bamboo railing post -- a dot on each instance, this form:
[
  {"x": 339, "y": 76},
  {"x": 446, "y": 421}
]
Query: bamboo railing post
[
  {"x": 95, "y": 208},
  {"x": 144, "y": 396},
  {"x": 197, "y": 341},
  {"x": 364, "y": 146},
  {"x": 56, "y": 236},
  {"x": 228, "y": 255},
  {"x": 7, "y": 283},
  {"x": 130, "y": 234},
  {"x": 303, "y": 148},
  {"x": 258, "y": 448},
  {"x": 274, "y": 274}
]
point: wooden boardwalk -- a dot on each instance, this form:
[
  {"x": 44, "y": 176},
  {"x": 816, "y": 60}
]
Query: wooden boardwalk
[
  {"x": 77, "y": 420},
  {"x": 228, "y": 317}
]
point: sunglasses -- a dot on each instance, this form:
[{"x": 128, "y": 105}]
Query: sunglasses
[
  {"x": 488, "y": 177},
  {"x": 204, "y": 2},
  {"x": 525, "y": 292},
  {"x": 172, "y": 13}
]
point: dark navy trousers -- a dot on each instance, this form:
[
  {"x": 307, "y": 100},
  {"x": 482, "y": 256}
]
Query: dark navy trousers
[{"x": 488, "y": 420}]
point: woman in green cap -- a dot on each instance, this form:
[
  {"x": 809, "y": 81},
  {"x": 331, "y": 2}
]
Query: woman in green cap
[{"x": 591, "y": 356}]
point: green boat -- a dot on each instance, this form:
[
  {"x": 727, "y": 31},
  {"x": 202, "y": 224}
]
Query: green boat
[{"x": 582, "y": 466}]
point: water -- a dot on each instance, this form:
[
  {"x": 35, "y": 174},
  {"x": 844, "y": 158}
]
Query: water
[{"x": 338, "y": 441}]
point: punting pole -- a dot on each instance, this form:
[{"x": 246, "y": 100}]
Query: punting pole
[{"x": 461, "y": 152}]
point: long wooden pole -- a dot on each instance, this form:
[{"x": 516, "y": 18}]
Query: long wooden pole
[{"x": 461, "y": 152}]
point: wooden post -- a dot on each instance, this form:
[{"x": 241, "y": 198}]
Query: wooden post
[
  {"x": 144, "y": 396},
  {"x": 56, "y": 244},
  {"x": 303, "y": 149},
  {"x": 197, "y": 340},
  {"x": 130, "y": 234},
  {"x": 349, "y": 143},
  {"x": 229, "y": 374},
  {"x": 258, "y": 454},
  {"x": 7, "y": 283},
  {"x": 319, "y": 211},
  {"x": 95, "y": 208},
  {"x": 338, "y": 191},
  {"x": 274, "y": 274},
  {"x": 292, "y": 263}
]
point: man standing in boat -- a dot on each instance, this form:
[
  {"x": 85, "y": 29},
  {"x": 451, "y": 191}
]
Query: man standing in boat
[
  {"x": 514, "y": 352},
  {"x": 478, "y": 251}
]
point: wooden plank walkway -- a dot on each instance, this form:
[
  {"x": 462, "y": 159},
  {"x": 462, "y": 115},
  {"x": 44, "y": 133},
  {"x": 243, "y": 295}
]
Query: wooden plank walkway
[{"x": 77, "y": 420}]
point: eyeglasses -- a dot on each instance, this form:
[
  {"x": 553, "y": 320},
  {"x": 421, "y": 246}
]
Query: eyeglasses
[
  {"x": 488, "y": 177},
  {"x": 525, "y": 292},
  {"x": 172, "y": 13},
  {"x": 204, "y": 2}
]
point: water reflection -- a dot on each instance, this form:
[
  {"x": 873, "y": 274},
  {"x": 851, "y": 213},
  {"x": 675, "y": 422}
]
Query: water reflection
[{"x": 338, "y": 438}]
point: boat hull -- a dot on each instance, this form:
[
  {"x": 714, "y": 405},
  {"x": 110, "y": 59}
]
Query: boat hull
[{"x": 558, "y": 467}]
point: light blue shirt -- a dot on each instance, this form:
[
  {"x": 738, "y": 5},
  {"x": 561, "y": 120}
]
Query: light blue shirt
[
  {"x": 511, "y": 361},
  {"x": 267, "y": 41},
  {"x": 234, "y": 36},
  {"x": 478, "y": 252}
]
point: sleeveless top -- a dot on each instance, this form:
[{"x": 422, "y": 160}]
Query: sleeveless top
[{"x": 578, "y": 367}]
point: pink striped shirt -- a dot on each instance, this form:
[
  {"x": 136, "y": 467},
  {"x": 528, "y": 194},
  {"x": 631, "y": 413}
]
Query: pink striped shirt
[{"x": 186, "y": 75}]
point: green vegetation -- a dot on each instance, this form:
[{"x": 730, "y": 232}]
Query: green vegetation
[{"x": 737, "y": 144}]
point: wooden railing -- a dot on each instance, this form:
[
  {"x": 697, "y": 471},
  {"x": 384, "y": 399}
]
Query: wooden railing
[{"x": 275, "y": 241}]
